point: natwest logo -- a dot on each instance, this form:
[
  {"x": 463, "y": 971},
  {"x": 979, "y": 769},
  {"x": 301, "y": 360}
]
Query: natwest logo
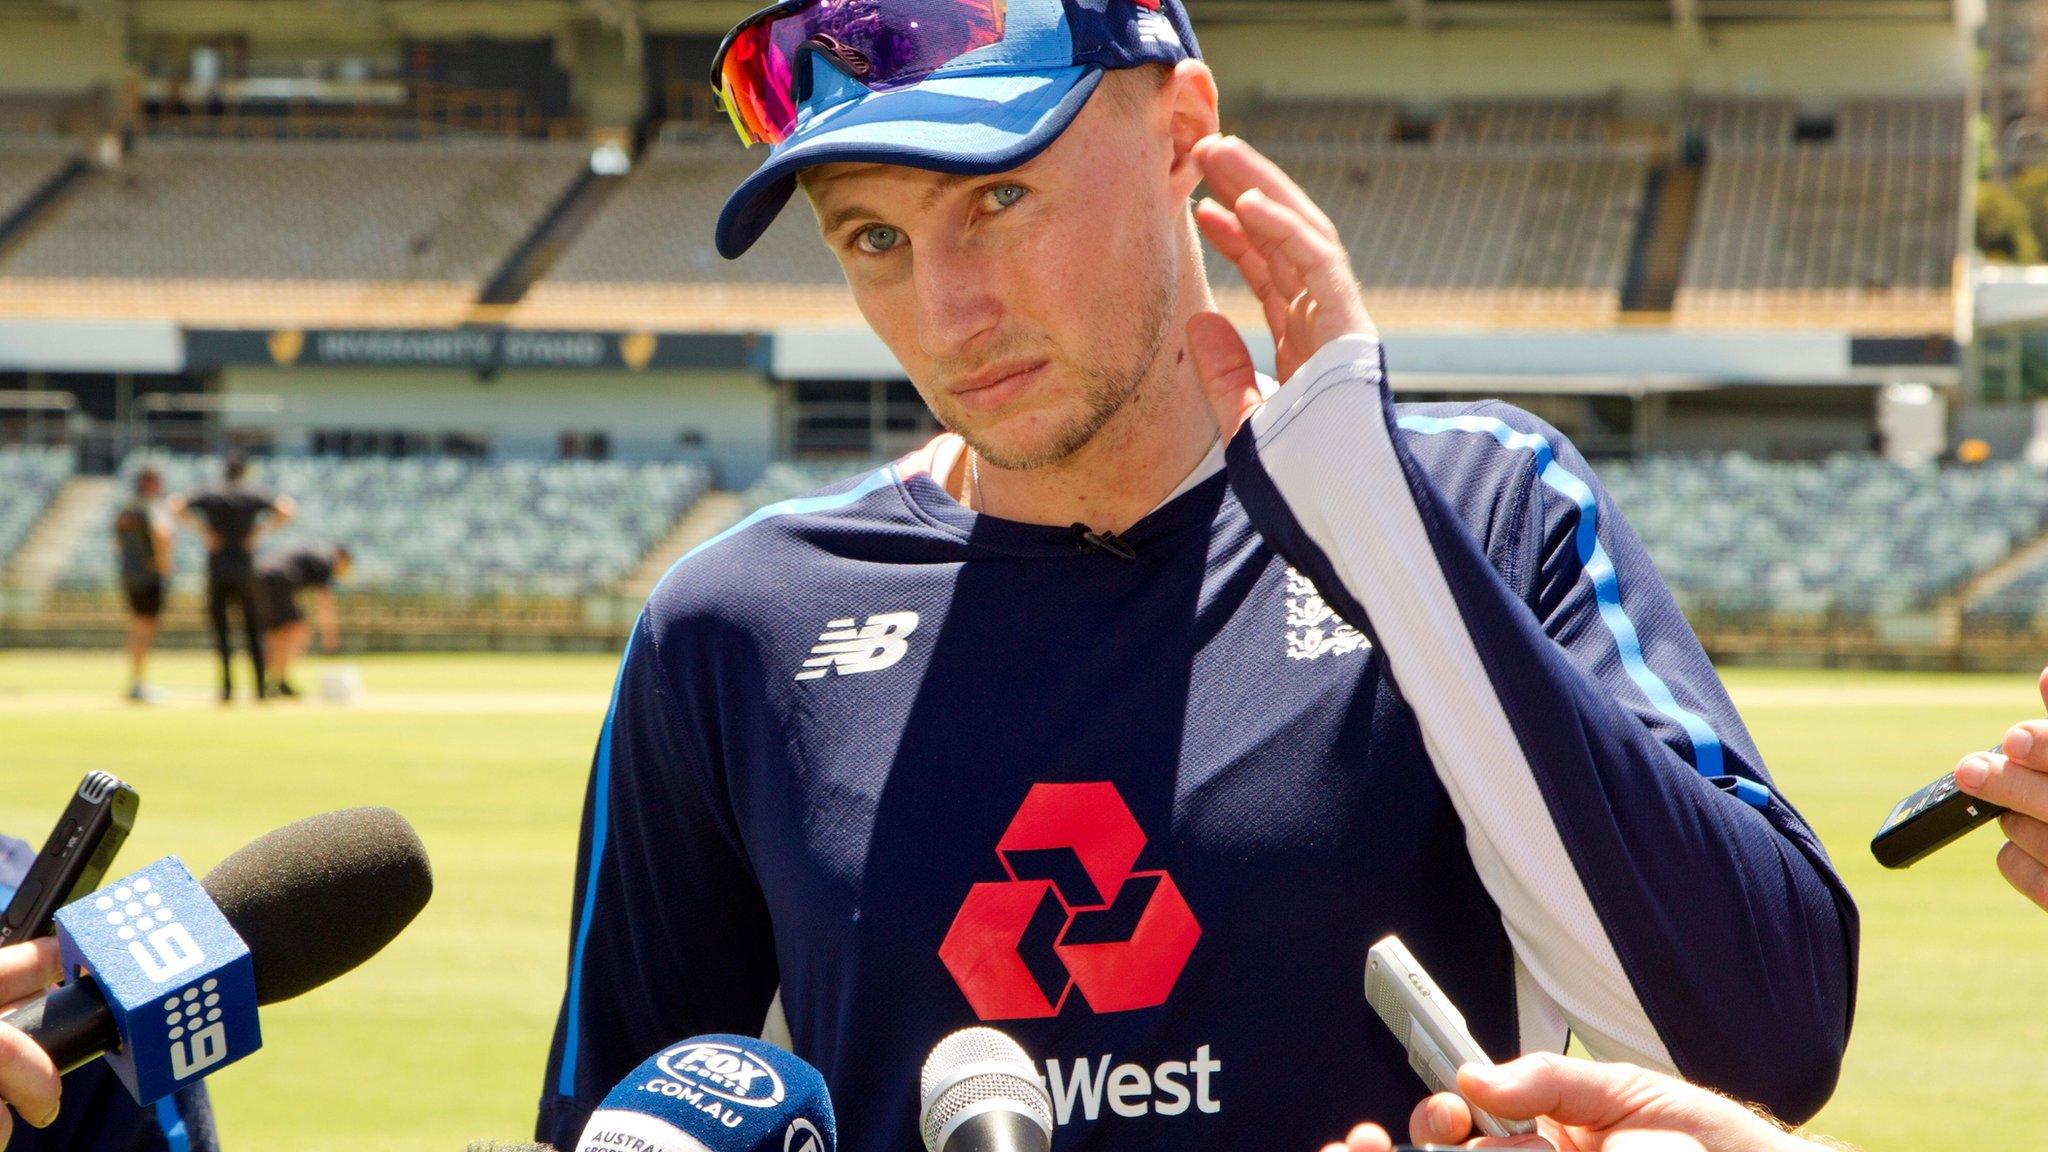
[{"x": 1071, "y": 915}]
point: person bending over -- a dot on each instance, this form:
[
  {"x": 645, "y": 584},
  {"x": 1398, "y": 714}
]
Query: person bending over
[{"x": 280, "y": 577}]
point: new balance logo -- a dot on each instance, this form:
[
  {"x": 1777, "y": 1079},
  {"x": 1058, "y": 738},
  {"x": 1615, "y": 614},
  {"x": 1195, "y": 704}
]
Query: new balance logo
[{"x": 871, "y": 647}]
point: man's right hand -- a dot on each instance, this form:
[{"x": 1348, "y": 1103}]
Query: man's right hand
[
  {"x": 1583, "y": 1106},
  {"x": 28, "y": 1079}
]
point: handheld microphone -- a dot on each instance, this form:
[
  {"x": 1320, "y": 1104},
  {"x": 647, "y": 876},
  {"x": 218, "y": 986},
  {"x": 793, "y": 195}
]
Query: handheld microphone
[
  {"x": 167, "y": 972},
  {"x": 715, "y": 1093},
  {"x": 979, "y": 1092}
]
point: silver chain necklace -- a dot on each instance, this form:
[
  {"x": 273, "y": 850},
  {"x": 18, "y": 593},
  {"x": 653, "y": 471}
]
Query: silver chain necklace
[{"x": 974, "y": 480}]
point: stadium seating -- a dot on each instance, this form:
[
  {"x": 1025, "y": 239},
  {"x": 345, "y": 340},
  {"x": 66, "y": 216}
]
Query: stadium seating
[
  {"x": 26, "y": 167},
  {"x": 788, "y": 479},
  {"x": 1736, "y": 536},
  {"x": 1502, "y": 235},
  {"x": 1582, "y": 120},
  {"x": 1858, "y": 232},
  {"x": 649, "y": 258},
  {"x": 1331, "y": 121},
  {"x": 1737, "y": 122},
  {"x": 1853, "y": 534},
  {"x": 239, "y": 232},
  {"x": 446, "y": 526},
  {"x": 29, "y": 477}
]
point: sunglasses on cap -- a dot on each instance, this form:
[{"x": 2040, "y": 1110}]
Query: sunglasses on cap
[{"x": 761, "y": 73}]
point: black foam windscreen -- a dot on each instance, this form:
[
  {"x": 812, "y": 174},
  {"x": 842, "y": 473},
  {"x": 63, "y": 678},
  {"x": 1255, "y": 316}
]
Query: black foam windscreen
[{"x": 316, "y": 898}]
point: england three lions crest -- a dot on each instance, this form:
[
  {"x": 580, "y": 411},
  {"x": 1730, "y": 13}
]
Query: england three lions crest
[{"x": 1313, "y": 630}]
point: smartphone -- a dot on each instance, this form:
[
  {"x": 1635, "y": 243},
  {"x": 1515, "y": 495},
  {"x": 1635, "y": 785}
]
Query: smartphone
[
  {"x": 75, "y": 858},
  {"x": 1425, "y": 1021},
  {"x": 1929, "y": 819}
]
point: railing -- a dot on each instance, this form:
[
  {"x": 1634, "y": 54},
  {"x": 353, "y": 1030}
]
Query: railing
[{"x": 426, "y": 111}]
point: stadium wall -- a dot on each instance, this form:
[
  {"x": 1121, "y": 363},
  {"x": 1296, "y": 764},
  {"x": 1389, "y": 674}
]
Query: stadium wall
[
  {"x": 1816, "y": 61},
  {"x": 47, "y": 56},
  {"x": 646, "y": 415}
]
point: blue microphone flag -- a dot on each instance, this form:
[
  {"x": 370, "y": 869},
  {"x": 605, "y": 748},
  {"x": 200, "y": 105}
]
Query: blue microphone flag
[
  {"x": 715, "y": 1093},
  {"x": 178, "y": 980}
]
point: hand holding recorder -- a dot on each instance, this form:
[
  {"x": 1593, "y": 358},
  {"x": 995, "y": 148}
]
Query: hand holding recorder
[
  {"x": 1584, "y": 1106},
  {"x": 2015, "y": 776}
]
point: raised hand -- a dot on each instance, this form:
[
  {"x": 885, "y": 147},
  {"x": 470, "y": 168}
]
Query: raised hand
[{"x": 1290, "y": 257}]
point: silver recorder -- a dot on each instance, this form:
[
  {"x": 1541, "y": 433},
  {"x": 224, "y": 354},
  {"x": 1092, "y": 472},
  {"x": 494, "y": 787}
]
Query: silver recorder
[{"x": 1429, "y": 1025}]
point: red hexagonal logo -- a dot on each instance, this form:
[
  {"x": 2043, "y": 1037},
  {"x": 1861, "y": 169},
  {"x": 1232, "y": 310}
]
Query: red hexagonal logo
[{"x": 1071, "y": 915}]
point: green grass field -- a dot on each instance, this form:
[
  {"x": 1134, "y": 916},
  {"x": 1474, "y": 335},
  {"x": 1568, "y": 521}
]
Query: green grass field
[{"x": 440, "y": 1040}]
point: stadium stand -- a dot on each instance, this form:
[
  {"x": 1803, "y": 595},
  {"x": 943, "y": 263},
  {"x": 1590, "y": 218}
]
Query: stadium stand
[
  {"x": 1858, "y": 232},
  {"x": 444, "y": 526},
  {"x": 648, "y": 258},
  {"x": 2025, "y": 596},
  {"x": 1504, "y": 121},
  {"x": 26, "y": 168},
  {"x": 305, "y": 232},
  {"x": 1331, "y": 121},
  {"x": 1853, "y": 534},
  {"x": 787, "y": 480},
  {"x": 1505, "y": 235},
  {"x": 29, "y": 478},
  {"x": 1737, "y": 122}
]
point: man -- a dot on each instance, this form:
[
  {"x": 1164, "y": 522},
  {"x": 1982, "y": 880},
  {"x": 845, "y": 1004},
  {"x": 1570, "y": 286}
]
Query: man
[
  {"x": 280, "y": 578},
  {"x": 229, "y": 516},
  {"x": 1052, "y": 724},
  {"x": 142, "y": 548}
]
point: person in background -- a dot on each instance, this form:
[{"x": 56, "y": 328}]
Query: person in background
[
  {"x": 229, "y": 516},
  {"x": 142, "y": 547},
  {"x": 280, "y": 577}
]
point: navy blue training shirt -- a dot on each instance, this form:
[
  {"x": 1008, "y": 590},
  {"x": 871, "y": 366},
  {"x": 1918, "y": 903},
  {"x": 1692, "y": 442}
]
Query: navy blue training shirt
[{"x": 1396, "y": 668}]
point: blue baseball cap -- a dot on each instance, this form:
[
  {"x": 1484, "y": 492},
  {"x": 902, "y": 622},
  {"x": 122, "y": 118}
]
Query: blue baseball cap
[{"x": 989, "y": 111}]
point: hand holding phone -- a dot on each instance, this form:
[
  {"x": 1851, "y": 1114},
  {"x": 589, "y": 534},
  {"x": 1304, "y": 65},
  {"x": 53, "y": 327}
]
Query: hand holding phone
[{"x": 1425, "y": 1021}]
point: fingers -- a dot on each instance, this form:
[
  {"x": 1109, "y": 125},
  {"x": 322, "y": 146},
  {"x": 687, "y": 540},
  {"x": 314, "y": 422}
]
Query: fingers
[
  {"x": 1640, "y": 1141},
  {"x": 1440, "y": 1119},
  {"x": 1223, "y": 230},
  {"x": 1224, "y": 365},
  {"x": 1301, "y": 259},
  {"x": 2026, "y": 874},
  {"x": 1367, "y": 1138},
  {"x": 28, "y": 968},
  {"x": 1992, "y": 776},
  {"x": 28, "y": 1079},
  {"x": 1569, "y": 1091},
  {"x": 2027, "y": 743},
  {"x": 1232, "y": 167}
]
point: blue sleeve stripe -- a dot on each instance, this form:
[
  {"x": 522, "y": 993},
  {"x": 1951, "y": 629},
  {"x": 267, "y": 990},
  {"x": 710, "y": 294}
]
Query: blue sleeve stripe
[
  {"x": 1593, "y": 559},
  {"x": 172, "y": 1122},
  {"x": 600, "y": 800}
]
